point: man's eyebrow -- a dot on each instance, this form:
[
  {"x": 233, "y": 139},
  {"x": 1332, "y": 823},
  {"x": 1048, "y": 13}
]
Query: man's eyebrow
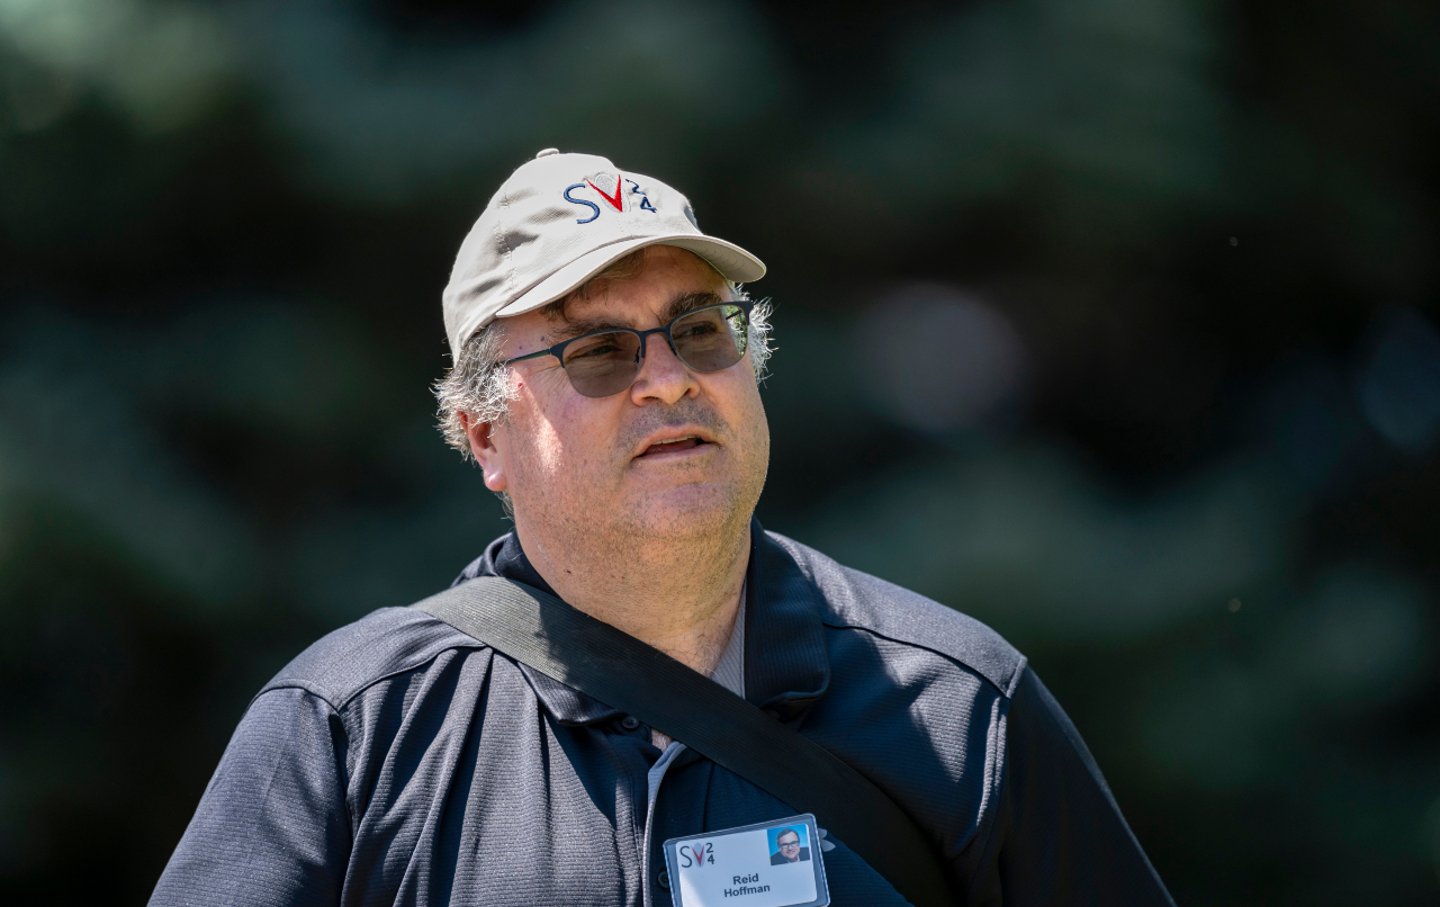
[
  {"x": 690, "y": 303},
  {"x": 574, "y": 327},
  {"x": 577, "y": 326}
]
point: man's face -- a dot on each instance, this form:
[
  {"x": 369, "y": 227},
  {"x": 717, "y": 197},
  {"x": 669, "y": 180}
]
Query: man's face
[
  {"x": 572, "y": 463},
  {"x": 789, "y": 845}
]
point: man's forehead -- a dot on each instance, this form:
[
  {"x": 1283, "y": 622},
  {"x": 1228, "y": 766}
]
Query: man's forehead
[
  {"x": 641, "y": 285},
  {"x": 620, "y": 310},
  {"x": 650, "y": 267}
]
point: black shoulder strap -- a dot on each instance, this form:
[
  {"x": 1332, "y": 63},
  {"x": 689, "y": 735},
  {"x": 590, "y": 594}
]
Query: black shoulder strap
[{"x": 540, "y": 630}]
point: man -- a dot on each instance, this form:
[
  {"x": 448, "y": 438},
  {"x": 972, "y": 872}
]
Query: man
[
  {"x": 605, "y": 382},
  {"x": 788, "y": 849}
]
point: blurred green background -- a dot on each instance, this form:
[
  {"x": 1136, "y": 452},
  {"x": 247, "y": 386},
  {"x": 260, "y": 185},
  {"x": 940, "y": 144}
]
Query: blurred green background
[{"x": 1113, "y": 324}]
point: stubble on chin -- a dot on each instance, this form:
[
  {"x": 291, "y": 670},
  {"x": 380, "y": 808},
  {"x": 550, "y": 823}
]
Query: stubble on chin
[{"x": 708, "y": 502}]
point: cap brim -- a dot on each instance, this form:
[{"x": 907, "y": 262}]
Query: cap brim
[{"x": 732, "y": 262}]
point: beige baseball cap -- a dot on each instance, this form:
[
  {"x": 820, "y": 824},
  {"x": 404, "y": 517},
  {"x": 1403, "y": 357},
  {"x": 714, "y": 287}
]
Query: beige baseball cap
[{"x": 559, "y": 220}]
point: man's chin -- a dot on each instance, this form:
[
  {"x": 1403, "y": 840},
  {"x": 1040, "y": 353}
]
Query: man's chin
[{"x": 691, "y": 511}]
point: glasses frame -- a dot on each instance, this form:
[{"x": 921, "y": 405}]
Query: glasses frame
[{"x": 558, "y": 350}]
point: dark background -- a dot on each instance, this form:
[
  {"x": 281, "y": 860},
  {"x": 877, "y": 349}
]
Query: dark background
[{"x": 1113, "y": 324}]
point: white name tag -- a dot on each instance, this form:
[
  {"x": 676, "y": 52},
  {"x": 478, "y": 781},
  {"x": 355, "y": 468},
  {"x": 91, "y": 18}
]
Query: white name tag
[{"x": 770, "y": 864}]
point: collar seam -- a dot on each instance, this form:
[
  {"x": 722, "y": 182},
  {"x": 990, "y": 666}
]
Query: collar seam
[{"x": 1005, "y": 686}]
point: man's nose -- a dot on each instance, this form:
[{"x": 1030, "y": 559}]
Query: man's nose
[{"x": 662, "y": 376}]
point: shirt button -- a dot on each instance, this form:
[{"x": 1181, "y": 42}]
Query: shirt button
[
  {"x": 664, "y": 879},
  {"x": 629, "y": 722}
]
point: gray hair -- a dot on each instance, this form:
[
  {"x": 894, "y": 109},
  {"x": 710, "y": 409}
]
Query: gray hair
[{"x": 477, "y": 386}]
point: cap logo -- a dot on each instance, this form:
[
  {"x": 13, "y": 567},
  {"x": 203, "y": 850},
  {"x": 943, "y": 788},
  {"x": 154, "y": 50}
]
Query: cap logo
[{"x": 615, "y": 199}]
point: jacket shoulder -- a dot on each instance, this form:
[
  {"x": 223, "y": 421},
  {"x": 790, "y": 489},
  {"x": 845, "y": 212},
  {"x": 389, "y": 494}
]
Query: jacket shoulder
[
  {"x": 857, "y": 600},
  {"x": 382, "y": 644}
]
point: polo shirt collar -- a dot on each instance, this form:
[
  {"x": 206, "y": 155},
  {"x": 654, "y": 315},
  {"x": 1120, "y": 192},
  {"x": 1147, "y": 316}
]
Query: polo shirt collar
[{"x": 786, "y": 665}]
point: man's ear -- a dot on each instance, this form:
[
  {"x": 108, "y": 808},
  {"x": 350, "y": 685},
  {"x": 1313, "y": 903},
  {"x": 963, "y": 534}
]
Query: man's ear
[{"x": 485, "y": 451}]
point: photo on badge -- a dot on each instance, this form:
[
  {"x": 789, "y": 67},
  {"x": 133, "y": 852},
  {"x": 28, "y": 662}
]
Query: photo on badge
[
  {"x": 768, "y": 864},
  {"x": 789, "y": 844}
]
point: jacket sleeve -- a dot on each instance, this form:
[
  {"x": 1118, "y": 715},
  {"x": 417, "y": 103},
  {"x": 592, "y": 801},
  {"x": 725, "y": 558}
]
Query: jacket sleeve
[
  {"x": 272, "y": 827},
  {"x": 1059, "y": 837}
]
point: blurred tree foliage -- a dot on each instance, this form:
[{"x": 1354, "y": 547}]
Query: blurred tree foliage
[{"x": 1113, "y": 324}]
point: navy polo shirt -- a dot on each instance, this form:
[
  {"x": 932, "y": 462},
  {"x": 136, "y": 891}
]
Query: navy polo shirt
[{"x": 400, "y": 761}]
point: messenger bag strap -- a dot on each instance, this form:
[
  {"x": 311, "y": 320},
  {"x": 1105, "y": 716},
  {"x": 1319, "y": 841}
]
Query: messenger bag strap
[{"x": 538, "y": 629}]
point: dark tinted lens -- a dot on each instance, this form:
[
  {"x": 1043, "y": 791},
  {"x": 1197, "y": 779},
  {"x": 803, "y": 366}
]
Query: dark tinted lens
[
  {"x": 711, "y": 338},
  {"x": 602, "y": 364}
]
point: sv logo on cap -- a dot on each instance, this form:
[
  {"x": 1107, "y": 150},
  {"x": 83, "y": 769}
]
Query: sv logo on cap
[{"x": 615, "y": 199}]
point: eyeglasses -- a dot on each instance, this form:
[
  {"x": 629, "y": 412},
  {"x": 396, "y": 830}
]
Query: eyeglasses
[
  {"x": 602, "y": 363},
  {"x": 795, "y": 843}
]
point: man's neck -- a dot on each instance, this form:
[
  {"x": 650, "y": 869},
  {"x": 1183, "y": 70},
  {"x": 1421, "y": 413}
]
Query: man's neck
[{"x": 680, "y": 597}]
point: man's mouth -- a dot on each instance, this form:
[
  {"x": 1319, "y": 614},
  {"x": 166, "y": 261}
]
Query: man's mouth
[{"x": 672, "y": 445}]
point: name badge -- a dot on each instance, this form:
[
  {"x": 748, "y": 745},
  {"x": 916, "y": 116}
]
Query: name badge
[{"x": 769, "y": 864}]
